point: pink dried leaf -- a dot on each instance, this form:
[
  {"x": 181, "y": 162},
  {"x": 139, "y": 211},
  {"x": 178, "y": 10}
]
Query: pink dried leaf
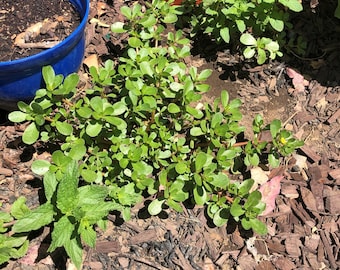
[
  {"x": 298, "y": 80},
  {"x": 31, "y": 255},
  {"x": 269, "y": 191}
]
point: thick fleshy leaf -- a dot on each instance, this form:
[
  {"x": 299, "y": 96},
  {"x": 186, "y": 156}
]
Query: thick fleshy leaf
[{"x": 31, "y": 134}]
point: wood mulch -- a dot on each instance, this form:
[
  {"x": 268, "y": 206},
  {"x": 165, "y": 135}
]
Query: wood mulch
[{"x": 304, "y": 227}]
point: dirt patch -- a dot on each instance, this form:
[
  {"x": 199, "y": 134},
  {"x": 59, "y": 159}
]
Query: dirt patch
[{"x": 28, "y": 27}]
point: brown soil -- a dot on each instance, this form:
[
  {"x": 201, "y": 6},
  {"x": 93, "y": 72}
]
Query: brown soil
[
  {"x": 304, "y": 227},
  {"x": 16, "y": 16}
]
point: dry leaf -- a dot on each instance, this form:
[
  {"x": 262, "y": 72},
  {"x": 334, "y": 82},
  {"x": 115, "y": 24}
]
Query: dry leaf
[
  {"x": 259, "y": 176},
  {"x": 92, "y": 61},
  {"x": 269, "y": 192},
  {"x": 31, "y": 255},
  {"x": 298, "y": 80}
]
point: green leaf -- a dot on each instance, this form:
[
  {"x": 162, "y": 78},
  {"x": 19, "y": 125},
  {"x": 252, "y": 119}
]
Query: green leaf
[
  {"x": 119, "y": 108},
  {"x": 198, "y": 114},
  {"x": 164, "y": 154},
  {"x": 146, "y": 68},
  {"x": 200, "y": 161},
  {"x": 170, "y": 18},
  {"x": 174, "y": 205},
  {"x": 31, "y": 134},
  {"x": 67, "y": 193},
  {"x": 196, "y": 131},
  {"x": 245, "y": 186},
  {"x": 37, "y": 218},
  {"x": 92, "y": 194},
  {"x": 253, "y": 199},
  {"x": 135, "y": 42},
  {"x": 142, "y": 168},
  {"x": 273, "y": 161},
  {"x": 155, "y": 207},
  {"x": 93, "y": 129},
  {"x": 77, "y": 151},
  {"x": 337, "y": 11},
  {"x": 40, "y": 166},
  {"x": 204, "y": 75},
  {"x": 118, "y": 27},
  {"x": 236, "y": 209},
  {"x": 275, "y": 127},
  {"x": 220, "y": 180},
  {"x": 278, "y": 25},
  {"x": 249, "y": 52},
  {"x": 163, "y": 177},
  {"x": 74, "y": 250},
  {"x": 50, "y": 185},
  {"x": 181, "y": 167},
  {"x": 126, "y": 11},
  {"x": 64, "y": 128},
  {"x": 62, "y": 232},
  {"x": 221, "y": 217},
  {"x": 258, "y": 226},
  {"x": 148, "y": 21},
  {"x": 248, "y": 39},
  {"x": 49, "y": 76},
  {"x": 241, "y": 26},
  {"x": 293, "y": 5},
  {"x": 173, "y": 108},
  {"x": 19, "y": 208},
  {"x": 224, "y": 98},
  {"x": 17, "y": 116},
  {"x": 88, "y": 234},
  {"x": 224, "y": 32},
  {"x": 200, "y": 195},
  {"x": 261, "y": 56}
]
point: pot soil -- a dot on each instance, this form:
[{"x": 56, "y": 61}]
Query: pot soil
[{"x": 31, "y": 26}]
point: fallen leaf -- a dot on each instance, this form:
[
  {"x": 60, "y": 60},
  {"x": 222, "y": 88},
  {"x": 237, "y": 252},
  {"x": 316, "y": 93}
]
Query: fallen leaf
[
  {"x": 298, "y": 80},
  {"x": 269, "y": 192},
  {"x": 92, "y": 61},
  {"x": 259, "y": 176},
  {"x": 31, "y": 255}
]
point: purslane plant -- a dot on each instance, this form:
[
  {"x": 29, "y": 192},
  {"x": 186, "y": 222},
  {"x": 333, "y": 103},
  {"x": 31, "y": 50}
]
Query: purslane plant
[
  {"x": 256, "y": 23},
  {"x": 141, "y": 129}
]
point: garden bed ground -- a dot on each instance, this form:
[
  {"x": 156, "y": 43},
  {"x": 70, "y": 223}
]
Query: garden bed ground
[{"x": 303, "y": 229}]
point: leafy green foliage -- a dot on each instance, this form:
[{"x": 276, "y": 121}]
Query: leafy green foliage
[
  {"x": 257, "y": 24},
  {"x": 141, "y": 129},
  {"x": 16, "y": 245}
]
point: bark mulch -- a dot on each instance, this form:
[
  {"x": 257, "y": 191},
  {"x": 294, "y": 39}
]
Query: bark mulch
[{"x": 304, "y": 227}]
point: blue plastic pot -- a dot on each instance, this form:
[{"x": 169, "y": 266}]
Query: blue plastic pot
[{"x": 20, "y": 79}]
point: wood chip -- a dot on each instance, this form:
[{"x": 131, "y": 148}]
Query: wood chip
[
  {"x": 332, "y": 203},
  {"x": 334, "y": 117},
  {"x": 310, "y": 153},
  {"x": 328, "y": 250},
  {"x": 292, "y": 245},
  {"x": 284, "y": 263},
  {"x": 6, "y": 172},
  {"x": 108, "y": 246},
  {"x": 265, "y": 265},
  {"x": 312, "y": 242},
  {"x": 156, "y": 234},
  {"x": 309, "y": 199},
  {"x": 335, "y": 174},
  {"x": 289, "y": 191}
]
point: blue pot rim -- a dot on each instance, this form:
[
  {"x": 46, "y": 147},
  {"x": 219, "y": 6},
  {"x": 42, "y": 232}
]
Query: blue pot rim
[{"x": 69, "y": 39}]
